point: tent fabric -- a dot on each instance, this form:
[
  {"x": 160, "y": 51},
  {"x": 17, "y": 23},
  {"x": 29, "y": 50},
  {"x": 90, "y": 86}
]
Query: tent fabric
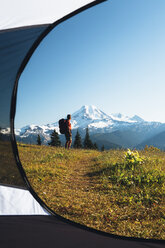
[
  {"x": 15, "y": 201},
  {"x": 20, "y": 13},
  {"x": 45, "y": 231},
  {"x": 23, "y": 24},
  {"x": 14, "y": 46}
]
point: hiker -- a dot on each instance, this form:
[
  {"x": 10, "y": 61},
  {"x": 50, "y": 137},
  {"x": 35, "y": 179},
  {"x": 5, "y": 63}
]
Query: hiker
[{"x": 68, "y": 132}]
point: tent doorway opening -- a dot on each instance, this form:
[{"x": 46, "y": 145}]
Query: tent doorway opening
[{"x": 104, "y": 67}]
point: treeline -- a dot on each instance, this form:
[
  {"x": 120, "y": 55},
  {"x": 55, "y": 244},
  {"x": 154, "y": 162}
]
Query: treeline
[
  {"x": 86, "y": 144},
  {"x": 78, "y": 143}
]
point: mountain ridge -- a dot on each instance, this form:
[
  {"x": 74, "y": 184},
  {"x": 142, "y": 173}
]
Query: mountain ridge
[{"x": 98, "y": 122}]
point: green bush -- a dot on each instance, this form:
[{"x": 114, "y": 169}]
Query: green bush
[{"x": 132, "y": 159}]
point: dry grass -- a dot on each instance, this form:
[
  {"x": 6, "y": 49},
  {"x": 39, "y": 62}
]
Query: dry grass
[
  {"x": 9, "y": 173},
  {"x": 92, "y": 188}
]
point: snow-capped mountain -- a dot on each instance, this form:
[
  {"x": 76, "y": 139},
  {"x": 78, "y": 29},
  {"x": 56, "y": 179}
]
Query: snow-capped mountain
[
  {"x": 93, "y": 114},
  {"x": 86, "y": 116},
  {"x": 90, "y": 116},
  {"x": 121, "y": 117},
  {"x": 97, "y": 121},
  {"x": 5, "y": 131}
]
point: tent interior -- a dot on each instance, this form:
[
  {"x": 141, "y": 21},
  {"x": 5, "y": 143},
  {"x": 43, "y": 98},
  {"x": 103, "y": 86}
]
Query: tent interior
[{"x": 39, "y": 191}]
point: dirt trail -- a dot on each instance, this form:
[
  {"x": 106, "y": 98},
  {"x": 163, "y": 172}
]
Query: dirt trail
[{"x": 78, "y": 175}]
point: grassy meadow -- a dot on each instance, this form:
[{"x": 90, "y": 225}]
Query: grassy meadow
[
  {"x": 9, "y": 173},
  {"x": 115, "y": 191}
]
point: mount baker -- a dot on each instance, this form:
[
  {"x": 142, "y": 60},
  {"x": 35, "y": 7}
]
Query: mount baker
[{"x": 112, "y": 131}]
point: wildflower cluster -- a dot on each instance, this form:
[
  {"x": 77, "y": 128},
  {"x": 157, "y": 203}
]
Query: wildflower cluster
[{"x": 132, "y": 159}]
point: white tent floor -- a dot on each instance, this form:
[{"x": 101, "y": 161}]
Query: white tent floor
[{"x": 14, "y": 201}]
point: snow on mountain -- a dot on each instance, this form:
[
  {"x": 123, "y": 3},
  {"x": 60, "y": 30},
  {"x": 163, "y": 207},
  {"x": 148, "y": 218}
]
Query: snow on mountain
[
  {"x": 5, "y": 130},
  {"x": 89, "y": 116},
  {"x": 124, "y": 118},
  {"x": 90, "y": 112},
  {"x": 96, "y": 120},
  {"x": 35, "y": 129},
  {"x": 136, "y": 118}
]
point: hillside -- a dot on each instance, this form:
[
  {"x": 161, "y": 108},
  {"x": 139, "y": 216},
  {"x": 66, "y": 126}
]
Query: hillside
[
  {"x": 110, "y": 130},
  {"x": 103, "y": 190},
  {"x": 121, "y": 138},
  {"x": 157, "y": 141},
  {"x": 105, "y": 140}
]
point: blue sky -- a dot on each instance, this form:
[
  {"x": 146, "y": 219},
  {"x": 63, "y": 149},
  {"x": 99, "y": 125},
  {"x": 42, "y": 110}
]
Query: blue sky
[{"x": 111, "y": 56}]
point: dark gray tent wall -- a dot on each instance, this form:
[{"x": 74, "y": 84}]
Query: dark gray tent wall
[{"x": 16, "y": 47}]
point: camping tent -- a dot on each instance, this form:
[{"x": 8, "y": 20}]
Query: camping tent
[{"x": 25, "y": 220}]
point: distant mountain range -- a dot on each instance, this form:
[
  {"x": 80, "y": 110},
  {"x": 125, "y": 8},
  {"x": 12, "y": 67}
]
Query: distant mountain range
[{"x": 112, "y": 131}]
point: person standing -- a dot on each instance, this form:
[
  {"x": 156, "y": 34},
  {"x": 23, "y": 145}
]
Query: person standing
[{"x": 68, "y": 133}]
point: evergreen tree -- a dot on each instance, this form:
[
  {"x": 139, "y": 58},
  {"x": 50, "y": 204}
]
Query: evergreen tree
[
  {"x": 102, "y": 148},
  {"x": 39, "y": 140},
  {"x": 95, "y": 146},
  {"x": 3, "y": 137},
  {"x": 77, "y": 141},
  {"x": 55, "y": 140},
  {"x": 87, "y": 141},
  {"x": 0, "y": 133}
]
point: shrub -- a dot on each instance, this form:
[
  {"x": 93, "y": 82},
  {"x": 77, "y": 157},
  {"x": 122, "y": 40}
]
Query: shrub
[{"x": 132, "y": 159}]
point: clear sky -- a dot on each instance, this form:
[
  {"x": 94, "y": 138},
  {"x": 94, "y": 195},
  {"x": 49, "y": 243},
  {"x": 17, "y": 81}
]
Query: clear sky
[{"x": 111, "y": 56}]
